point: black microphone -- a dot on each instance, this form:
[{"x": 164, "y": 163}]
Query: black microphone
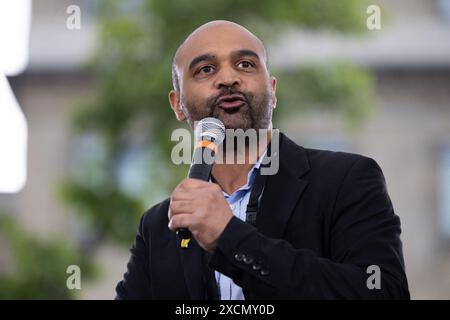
[{"x": 209, "y": 133}]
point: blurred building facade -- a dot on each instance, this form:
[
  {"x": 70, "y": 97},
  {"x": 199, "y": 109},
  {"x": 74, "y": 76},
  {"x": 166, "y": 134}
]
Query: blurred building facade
[{"x": 408, "y": 135}]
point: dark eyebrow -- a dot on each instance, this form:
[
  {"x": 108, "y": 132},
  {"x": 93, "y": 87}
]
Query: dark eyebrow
[
  {"x": 208, "y": 56},
  {"x": 245, "y": 52},
  {"x": 197, "y": 60}
]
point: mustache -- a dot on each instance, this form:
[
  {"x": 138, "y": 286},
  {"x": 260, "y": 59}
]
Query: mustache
[{"x": 227, "y": 92}]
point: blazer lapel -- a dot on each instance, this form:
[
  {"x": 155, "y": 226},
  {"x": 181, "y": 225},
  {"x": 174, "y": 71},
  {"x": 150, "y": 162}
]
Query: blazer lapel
[{"x": 283, "y": 190}]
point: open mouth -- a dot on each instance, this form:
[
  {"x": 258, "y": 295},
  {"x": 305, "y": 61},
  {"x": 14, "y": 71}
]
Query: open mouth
[{"x": 231, "y": 103}]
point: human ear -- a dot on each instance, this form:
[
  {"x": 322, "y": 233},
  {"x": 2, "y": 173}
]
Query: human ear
[{"x": 175, "y": 104}]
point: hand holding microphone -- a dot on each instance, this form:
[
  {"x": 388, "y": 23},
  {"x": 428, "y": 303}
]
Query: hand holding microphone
[{"x": 198, "y": 207}]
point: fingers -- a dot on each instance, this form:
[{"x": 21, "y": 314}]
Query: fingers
[
  {"x": 187, "y": 189},
  {"x": 180, "y": 206},
  {"x": 180, "y": 221},
  {"x": 193, "y": 184},
  {"x": 187, "y": 200}
]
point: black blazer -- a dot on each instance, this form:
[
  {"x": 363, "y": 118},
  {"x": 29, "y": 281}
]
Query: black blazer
[{"x": 325, "y": 217}]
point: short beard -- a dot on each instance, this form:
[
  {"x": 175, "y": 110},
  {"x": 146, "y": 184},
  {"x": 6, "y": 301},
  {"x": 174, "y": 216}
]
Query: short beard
[{"x": 255, "y": 114}]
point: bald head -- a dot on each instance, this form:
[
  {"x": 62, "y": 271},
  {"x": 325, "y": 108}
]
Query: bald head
[{"x": 208, "y": 35}]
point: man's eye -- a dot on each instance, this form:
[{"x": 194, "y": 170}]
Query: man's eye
[
  {"x": 245, "y": 64},
  {"x": 206, "y": 69}
]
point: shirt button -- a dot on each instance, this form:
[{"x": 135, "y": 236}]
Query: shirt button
[{"x": 239, "y": 257}]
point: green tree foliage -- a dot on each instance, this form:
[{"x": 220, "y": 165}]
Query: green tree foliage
[
  {"x": 35, "y": 269},
  {"x": 132, "y": 71}
]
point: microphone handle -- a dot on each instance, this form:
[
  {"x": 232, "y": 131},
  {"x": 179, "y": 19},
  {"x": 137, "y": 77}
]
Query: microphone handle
[{"x": 198, "y": 170}]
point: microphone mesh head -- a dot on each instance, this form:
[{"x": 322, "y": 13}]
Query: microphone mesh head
[{"x": 211, "y": 129}]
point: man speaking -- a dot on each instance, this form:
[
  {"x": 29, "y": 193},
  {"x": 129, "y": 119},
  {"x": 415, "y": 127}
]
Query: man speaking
[{"x": 321, "y": 227}]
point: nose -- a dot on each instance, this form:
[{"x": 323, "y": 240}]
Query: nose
[{"x": 227, "y": 77}]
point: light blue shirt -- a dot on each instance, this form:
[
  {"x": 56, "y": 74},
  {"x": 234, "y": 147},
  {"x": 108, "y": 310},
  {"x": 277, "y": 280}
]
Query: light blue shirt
[{"x": 238, "y": 201}]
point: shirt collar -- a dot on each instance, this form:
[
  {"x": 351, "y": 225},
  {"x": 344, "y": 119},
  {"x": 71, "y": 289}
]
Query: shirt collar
[{"x": 250, "y": 177}]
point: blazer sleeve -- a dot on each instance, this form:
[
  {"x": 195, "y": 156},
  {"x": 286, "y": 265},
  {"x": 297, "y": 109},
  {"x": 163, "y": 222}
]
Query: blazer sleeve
[
  {"x": 364, "y": 232},
  {"x": 136, "y": 280}
]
